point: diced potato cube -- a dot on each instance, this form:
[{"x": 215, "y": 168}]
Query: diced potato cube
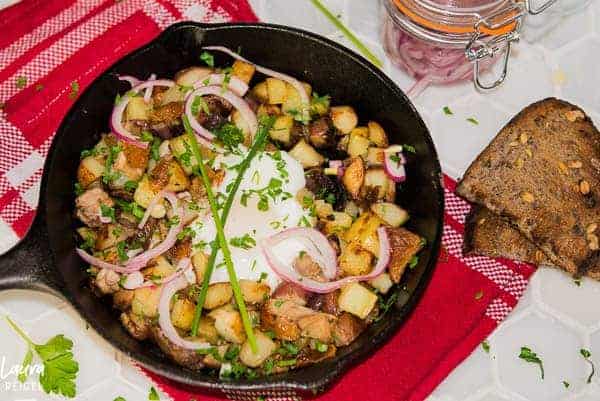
[
  {"x": 162, "y": 268},
  {"x": 358, "y": 145},
  {"x": 268, "y": 110},
  {"x": 265, "y": 348},
  {"x": 276, "y": 90},
  {"x": 181, "y": 146},
  {"x": 344, "y": 118},
  {"x": 207, "y": 330},
  {"x": 137, "y": 109},
  {"x": 173, "y": 94},
  {"x": 390, "y": 213},
  {"x": 282, "y": 129},
  {"x": 341, "y": 221},
  {"x": 362, "y": 131},
  {"x": 378, "y": 182},
  {"x": 260, "y": 92},
  {"x": 377, "y": 134},
  {"x": 200, "y": 263},
  {"x": 375, "y": 156},
  {"x": 254, "y": 292},
  {"x": 178, "y": 180},
  {"x": 182, "y": 314},
  {"x": 191, "y": 75},
  {"x": 356, "y": 299},
  {"x": 113, "y": 234},
  {"x": 145, "y": 301},
  {"x": 90, "y": 170},
  {"x": 228, "y": 323},
  {"x": 293, "y": 101},
  {"x": 243, "y": 70},
  {"x": 382, "y": 283},
  {"x": 323, "y": 209},
  {"x": 368, "y": 237},
  {"x": 354, "y": 176},
  {"x": 306, "y": 155},
  {"x": 218, "y": 294},
  {"x": 145, "y": 192},
  {"x": 355, "y": 261}
]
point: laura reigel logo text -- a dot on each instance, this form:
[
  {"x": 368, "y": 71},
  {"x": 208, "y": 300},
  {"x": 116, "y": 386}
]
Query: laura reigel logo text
[{"x": 9, "y": 377}]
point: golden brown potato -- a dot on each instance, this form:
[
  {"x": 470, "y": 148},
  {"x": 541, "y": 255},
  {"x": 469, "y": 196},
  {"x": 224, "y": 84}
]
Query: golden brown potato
[
  {"x": 136, "y": 156},
  {"x": 377, "y": 134},
  {"x": 181, "y": 146},
  {"x": 122, "y": 299},
  {"x": 145, "y": 192},
  {"x": 285, "y": 329},
  {"x": 161, "y": 268},
  {"x": 382, "y": 283},
  {"x": 145, "y": 301},
  {"x": 172, "y": 95},
  {"x": 375, "y": 156},
  {"x": 276, "y": 90},
  {"x": 200, "y": 263},
  {"x": 341, "y": 221},
  {"x": 243, "y": 70},
  {"x": 306, "y": 155},
  {"x": 358, "y": 145},
  {"x": 354, "y": 176},
  {"x": 111, "y": 234},
  {"x": 268, "y": 110},
  {"x": 228, "y": 324},
  {"x": 403, "y": 245},
  {"x": 90, "y": 170},
  {"x": 282, "y": 129},
  {"x": 355, "y": 261},
  {"x": 323, "y": 209},
  {"x": 137, "y": 109},
  {"x": 260, "y": 92},
  {"x": 379, "y": 185},
  {"x": 254, "y": 292},
  {"x": 293, "y": 103},
  {"x": 207, "y": 330},
  {"x": 178, "y": 180},
  {"x": 182, "y": 314},
  {"x": 316, "y": 326},
  {"x": 390, "y": 213},
  {"x": 344, "y": 118},
  {"x": 265, "y": 348},
  {"x": 218, "y": 294},
  {"x": 356, "y": 299}
]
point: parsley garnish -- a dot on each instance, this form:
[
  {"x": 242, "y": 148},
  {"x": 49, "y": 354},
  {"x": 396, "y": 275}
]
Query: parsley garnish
[
  {"x": 147, "y": 136},
  {"x": 130, "y": 185},
  {"x": 173, "y": 221},
  {"x": 78, "y": 189},
  {"x": 319, "y": 102},
  {"x": 321, "y": 347},
  {"x": 60, "y": 369},
  {"x": 153, "y": 394},
  {"x": 529, "y": 356},
  {"x": 409, "y": 148},
  {"x": 88, "y": 152},
  {"x": 577, "y": 282},
  {"x": 447, "y": 111},
  {"x": 122, "y": 254},
  {"x": 486, "y": 346},
  {"x": 186, "y": 232},
  {"x": 385, "y": 305},
  {"x": 230, "y": 135},
  {"x": 108, "y": 211},
  {"x": 263, "y": 275},
  {"x": 244, "y": 242},
  {"x": 273, "y": 190},
  {"x": 587, "y": 355},
  {"x": 566, "y": 384},
  {"x": 89, "y": 243},
  {"x": 74, "y": 90},
  {"x": 109, "y": 175},
  {"x": 21, "y": 82},
  {"x": 413, "y": 262},
  {"x": 473, "y": 121},
  {"x": 287, "y": 362},
  {"x": 208, "y": 58}
]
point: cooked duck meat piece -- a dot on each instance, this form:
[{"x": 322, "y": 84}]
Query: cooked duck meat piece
[
  {"x": 88, "y": 206},
  {"x": 122, "y": 193},
  {"x": 328, "y": 188},
  {"x": 122, "y": 299},
  {"x": 181, "y": 249},
  {"x": 218, "y": 110},
  {"x": 325, "y": 302},
  {"x": 144, "y": 235},
  {"x": 307, "y": 267},
  {"x": 185, "y": 357},
  {"x": 138, "y": 327},
  {"x": 347, "y": 328},
  {"x": 107, "y": 281},
  {"x": 322, "y": 133},
  {"x": 292, "y": 292},
  {"x": 317, "y": 326},
  {"x": 283, "y": 328}
]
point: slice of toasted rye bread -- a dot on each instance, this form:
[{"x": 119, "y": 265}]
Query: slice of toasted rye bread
[
  {"x": 542, "y": 174},
  {"x": 488, "y": 234}
]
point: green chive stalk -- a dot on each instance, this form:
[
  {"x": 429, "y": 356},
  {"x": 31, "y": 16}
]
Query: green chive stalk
[
  {"x": 356, "y": 41},
  {"x": 256, "y": 147}
]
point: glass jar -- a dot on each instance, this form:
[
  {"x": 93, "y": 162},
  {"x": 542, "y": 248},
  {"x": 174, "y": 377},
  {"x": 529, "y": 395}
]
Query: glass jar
[{"x": 443, "y": 41}]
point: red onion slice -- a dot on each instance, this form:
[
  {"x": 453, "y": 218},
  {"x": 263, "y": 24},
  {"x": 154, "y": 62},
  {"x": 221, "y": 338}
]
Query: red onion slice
[
  {"x": 288, "y": 273},
  {"x": 133, "y": 280},
  {"x": 235, "y": 84},
  {"x": 94, "y": 261},
  {"x": 394, "y": 168},
  {"x": 237, "y": 102},
  {"x": 133, "y": 81},
  {"x": 136, "y": 279},
  {"x": 164, "y": 316},
  {"x": 116, "y": 118},
  {"x": 148, "y": 92},
  {"x": 142, "y": 259},
  {"x": 292, "y": 81}
]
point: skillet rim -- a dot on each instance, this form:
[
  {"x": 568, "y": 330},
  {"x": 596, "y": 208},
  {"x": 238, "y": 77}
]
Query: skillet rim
[{"x": 288, "y": 381}]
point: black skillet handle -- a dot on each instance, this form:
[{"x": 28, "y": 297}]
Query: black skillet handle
[{"x": 29, "y": 264}]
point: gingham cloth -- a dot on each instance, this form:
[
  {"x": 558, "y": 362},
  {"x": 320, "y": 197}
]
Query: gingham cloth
[{"x": 45, "y": 46}]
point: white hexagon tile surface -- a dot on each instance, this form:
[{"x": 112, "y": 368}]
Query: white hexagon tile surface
[{"x": 555, "y": 318}]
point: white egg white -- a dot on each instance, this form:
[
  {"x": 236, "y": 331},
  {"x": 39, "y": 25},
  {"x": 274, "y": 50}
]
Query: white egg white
[{"x": 247, "y": 221}]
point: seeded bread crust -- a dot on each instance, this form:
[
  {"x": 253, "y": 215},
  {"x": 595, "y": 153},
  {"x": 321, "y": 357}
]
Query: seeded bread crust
[{"x": 542, "y": 174}]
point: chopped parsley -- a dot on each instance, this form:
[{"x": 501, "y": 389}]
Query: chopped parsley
[
  {"x": 319, "y": 104},
  {"x": 121, "y": 252},
  {"x": 186, "y": 232},
  {"x": 109, "y": 175},
  {"x": 173, "y": 221},
  {"x": 413, "y": 262},
  {"x": 244, "y": 242},
  {"x": 409, "y": 148},
  {"x": 386, "y": 304},
  {"x": 566, "y": 384},
  {"x": 130, "y": 186},
  {"x": 287, "y": 362},
  {"x": 131, "y": 207},
  {"x": 273, "y": 191},
  {"x": 78, "y": 189},
  {"x": 447, "y": 111},
  {"x": 230, "y": 135},
  {"x": 208, "y": 59},
  {"x": 147, "y": 136},
  {"x": 226, "y": 79},
  {"x": 529, "y": 356},
  {"x": 153, "y": 395},
  {"x": 107, "y": 211},
  {"x": 89, "y": 243},
  {"x": 88, "y": 152},
  {"x": 288, "y": 348},
  {"x": 263, "y": 275},
  {"x": 74, "y": 90},
  {"x": 321, "y": 347},
  {"x": 304, "y": 222},
  {"x": 587, "y": 355},
  {"x": 21, "y": 82},
  {"x": 473, "y": 121},
  {"x": 154, "y": 149},
  {"x": 486, "y": 346}
]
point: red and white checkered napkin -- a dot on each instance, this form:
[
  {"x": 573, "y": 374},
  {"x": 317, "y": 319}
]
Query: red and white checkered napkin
[{"x": 45, "y": 46}]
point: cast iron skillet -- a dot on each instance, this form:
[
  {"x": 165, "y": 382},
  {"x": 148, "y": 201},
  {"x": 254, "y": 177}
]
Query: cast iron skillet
[{"x": 45, "y": 260}]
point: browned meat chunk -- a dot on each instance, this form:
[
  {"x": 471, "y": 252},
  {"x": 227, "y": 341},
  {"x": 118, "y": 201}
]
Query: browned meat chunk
[
  {"x": 347, "y": 328},
  {"x": 88, "y": 206},
  {"x": 307, "y": 267},
  {"x": 321, "y": 133},
  {"x": 403, "y": 245},
  {"x": 185, "y": 357},
  {"x": 107, "y": 281},
  {"x": 138, "y": 327},
  {"x": 292, "y": 292}
]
